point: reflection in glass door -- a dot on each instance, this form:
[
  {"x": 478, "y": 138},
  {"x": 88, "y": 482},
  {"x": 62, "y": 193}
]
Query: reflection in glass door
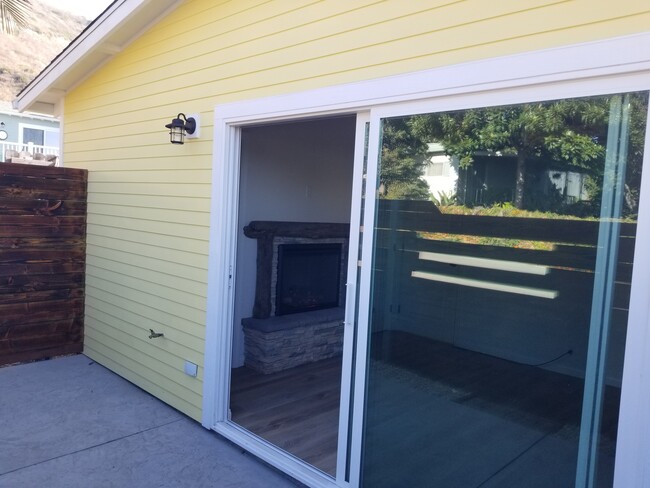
[{"x": 500, "y": 289}]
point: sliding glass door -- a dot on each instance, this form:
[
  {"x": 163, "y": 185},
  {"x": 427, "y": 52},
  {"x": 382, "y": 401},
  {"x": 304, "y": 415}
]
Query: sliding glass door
[{"x": 498, "y": 300}]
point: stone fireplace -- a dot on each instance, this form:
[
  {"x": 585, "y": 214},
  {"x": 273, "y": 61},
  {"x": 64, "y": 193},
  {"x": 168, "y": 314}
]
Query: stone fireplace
[{"x": 299, "y": 294}]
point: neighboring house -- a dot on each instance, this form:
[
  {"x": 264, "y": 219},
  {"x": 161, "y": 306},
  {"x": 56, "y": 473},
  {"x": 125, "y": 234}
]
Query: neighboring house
[
  {"x": 441, "y": 173},
  {"x": 28, "y": 136},
  {"x": 491, "y": 179},
  {"x": 460, "y": 362}
]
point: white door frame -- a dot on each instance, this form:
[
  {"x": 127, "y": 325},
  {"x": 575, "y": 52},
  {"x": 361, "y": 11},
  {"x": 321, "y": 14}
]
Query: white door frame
[
  {"x": 602, "y": 67},
  {"x": 224, "y": 286},
  {"x": 350, "y": 324}
]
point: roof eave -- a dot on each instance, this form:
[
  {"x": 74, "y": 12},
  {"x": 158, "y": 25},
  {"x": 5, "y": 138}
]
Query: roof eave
[{"x": 109, "y": 34}]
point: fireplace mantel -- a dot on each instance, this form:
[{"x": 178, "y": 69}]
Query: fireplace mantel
[
  {"x": 266, "y": 232},
  {"x": 310, "y": 230}
]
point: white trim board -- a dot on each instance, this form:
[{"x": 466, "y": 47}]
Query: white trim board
[
  {"x": 608, "y": 66},
  {"x": 632, "y": 468},
  {"x": 597, "y": 59}
]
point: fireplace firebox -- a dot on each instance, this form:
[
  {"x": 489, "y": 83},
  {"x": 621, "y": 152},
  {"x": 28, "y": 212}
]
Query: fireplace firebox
[
  {"x": 308, "y": 277},
  {"x": 270, "y": 235}
]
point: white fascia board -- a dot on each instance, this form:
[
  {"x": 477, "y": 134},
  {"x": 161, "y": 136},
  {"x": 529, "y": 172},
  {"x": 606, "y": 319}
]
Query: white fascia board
[
  {"x": 107, "y": 35},
  {"x": 28, "y": 115}
]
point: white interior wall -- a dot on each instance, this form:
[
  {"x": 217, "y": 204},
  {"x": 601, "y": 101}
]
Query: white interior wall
[{"x": 298, "y": 172}]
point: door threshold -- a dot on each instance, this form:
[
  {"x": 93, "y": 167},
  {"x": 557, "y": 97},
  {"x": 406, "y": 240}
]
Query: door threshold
[{"x": 279, "y": 459}]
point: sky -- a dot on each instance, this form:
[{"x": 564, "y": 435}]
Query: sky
[{"x": 87, "y": 8}]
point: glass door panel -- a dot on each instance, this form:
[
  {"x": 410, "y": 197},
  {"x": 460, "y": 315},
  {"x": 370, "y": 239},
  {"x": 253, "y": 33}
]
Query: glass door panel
[{"x": 503, "y": 254}]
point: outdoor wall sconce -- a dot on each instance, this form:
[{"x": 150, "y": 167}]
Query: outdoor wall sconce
[{"x": 180, "y": 127}]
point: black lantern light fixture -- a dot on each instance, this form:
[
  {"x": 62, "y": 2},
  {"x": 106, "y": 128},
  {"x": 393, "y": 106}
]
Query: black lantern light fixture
[{"x": 179, "y": 126}]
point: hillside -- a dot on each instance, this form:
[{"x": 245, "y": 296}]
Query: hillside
[{"x": 28, "y": 52}]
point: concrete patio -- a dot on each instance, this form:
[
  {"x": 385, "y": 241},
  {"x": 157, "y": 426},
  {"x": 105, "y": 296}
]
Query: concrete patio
[{"x": 69, "y": 422}]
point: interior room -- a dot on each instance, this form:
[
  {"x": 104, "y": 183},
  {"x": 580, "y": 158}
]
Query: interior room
[{"x": 294, "y": 212}]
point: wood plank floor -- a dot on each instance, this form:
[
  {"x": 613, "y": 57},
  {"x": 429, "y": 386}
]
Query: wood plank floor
[{"x": 296, "y": 409}]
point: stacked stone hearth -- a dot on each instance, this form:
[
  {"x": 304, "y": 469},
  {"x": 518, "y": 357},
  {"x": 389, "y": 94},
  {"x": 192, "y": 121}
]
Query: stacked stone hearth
[
  {"x": 272, "y": 342},
  {"x": 283, "y": 342}
]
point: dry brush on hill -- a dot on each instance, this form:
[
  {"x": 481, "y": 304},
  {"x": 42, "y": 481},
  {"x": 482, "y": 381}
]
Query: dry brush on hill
[{"x": 27, "y": 52}]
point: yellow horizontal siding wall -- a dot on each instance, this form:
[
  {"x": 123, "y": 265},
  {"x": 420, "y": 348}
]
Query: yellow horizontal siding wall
[{"x": 149, "y": 201}]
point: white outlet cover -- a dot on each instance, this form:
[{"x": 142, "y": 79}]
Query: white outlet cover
[{"x": 191, "y": 369}]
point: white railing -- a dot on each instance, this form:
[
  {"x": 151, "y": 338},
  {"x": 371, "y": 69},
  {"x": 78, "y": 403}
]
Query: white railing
[{"x": 28, "y": 152}]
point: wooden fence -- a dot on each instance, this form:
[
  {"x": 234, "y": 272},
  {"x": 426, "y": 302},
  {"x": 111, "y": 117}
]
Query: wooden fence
[
  {"x": 42, "y": 261},
  {"x": 530, "y": 305}
]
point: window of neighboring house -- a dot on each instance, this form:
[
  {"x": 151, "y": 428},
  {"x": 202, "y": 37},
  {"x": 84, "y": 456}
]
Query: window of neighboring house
[
  {"x": 434, "y": 169},
  {"x": 437, "y": 168},
  {"x": 39, "y": 135},
  {"x": 35, "y": 136}
]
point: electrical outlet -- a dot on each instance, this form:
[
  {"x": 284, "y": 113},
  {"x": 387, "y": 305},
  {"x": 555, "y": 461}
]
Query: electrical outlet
[{"x": 191, "y": 369}]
